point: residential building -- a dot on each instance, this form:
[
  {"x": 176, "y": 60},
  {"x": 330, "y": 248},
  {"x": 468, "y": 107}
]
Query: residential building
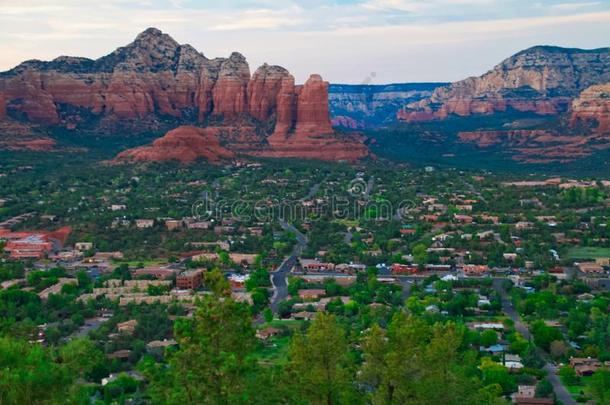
[{"x": 190, "y": 280}]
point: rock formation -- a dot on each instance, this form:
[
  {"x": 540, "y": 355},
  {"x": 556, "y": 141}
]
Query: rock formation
[
  {"x": 592, "y": 108},
  {"x": 362, "y": 106},
  {"x": 542, "y": 80},
  {"x": 154, "y": 83},
  {"x": 302, "y": 130},
  {"x": 2, "y": 107},
  {"x": 185, "y": 144}
]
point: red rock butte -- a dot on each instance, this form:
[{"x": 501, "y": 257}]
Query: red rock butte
[{"x": 154, "y": 83}]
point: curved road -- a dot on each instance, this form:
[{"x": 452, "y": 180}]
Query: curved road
[
  {"x": 279, "y": 276},
  {"x": 561, "y": 392}
]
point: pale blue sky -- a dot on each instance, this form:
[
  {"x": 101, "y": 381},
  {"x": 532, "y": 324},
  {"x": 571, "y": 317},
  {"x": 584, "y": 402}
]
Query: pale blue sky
[{"x": 344, "y": 40}]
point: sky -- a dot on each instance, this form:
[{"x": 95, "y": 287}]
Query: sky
[{"x": 346, "y": 41}]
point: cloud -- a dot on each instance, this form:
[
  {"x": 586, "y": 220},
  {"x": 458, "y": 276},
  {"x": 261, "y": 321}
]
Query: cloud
[{"x": 345, "y": 40}]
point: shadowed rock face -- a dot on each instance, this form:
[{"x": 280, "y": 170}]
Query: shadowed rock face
[
  {"x": 592, "y": 108},
  {"x": 156, "y": 79},
  {"x": 542, "y": 79}
]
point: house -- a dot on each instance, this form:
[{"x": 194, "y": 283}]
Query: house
[
  {"x": 199, "y": 225},
  {"x": 255, "y": 231},
  {"x": 83, "y": 246},
  {"x": 238, "y": 281},
  {"x": 462, "y": 219},
  {"x": 145, "y": 223},
  {"x": 189, "y": 280},
  {"x": 119, "y": 355},
  {"x": 486, "y": 326},
  {"x": 156, "y": 344},
  {"x": 101, "y": 256},
  {"x": 264, "y": 334},
  {"x": 511, "y": 257},
  {"x": 128, "y": 327},
  {"x": 223, "y": 230},
  {"x": 304, "y": 316},
  {"x": 526, "y": 391},
  {"x": 398, "y": 268},
  {"x": 315, "y": 265},
  {"x": 590, "y": 268},
  {"x": 350, "y": 268},
  {"x": 173, "y": 224},
  {"x": 475, "y": 269},
  {"x": 243, "y": 258},
  {"x": 32, "y": 246},
  {"x": 493, "y": 349},
  {"x": 585, "y": 297},
  {"x": 311, "y": 294},
  {"x": 586, "y": 366},
  {"x": 513, "y": 362},
  {"x": 161, "y": 273},
  {"x": 56, "y": 288},
  {"x": 118, "y": 207},
  {"x": 523, "y": 225}
]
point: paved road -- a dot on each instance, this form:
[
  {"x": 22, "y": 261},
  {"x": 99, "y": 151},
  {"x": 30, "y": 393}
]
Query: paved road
[
  {"x": 279, "y": 276},
  {"x": 90, "y": 324},
  {"x": 507, "y": 306}
]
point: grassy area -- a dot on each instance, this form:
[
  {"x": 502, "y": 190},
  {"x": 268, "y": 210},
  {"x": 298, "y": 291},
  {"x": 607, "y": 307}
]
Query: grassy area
[
  {"x": 588, "y": 252},
  {"x": 143, "y": 263},
  {"x": 582, "y": 391},
  {"x": 274, "y": 351}
]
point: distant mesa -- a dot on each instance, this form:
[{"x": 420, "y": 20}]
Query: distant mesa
[
  {"x": 570, "y": 84},
  {"x": 543, "y": 80},
  {"x": 156, "y": 84}
]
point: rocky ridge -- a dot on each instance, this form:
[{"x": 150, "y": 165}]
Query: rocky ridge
[
  {"x": 154, "y": 83},
  {"x": 542, "y": 80}
]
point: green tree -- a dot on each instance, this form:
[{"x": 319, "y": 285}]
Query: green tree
[
  {"x": 319, "y": 363},
  {"x": 568, "y": 375},
  {"x": 83, "y": 359},
  {"x": 420, "y": 255},
  {"x": 30, "y": 375},
  {"x": 544, "y": 389},
  {"x": 489, "y": 338},
  {"x": 414, "y": 362},
  {"x": 600, "y": 386},
  {"x": 214, "y": 359}
]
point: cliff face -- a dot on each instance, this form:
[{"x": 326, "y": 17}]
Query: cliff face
[
  {"x": 153, "y": 75},
  {"x": 542, "y": 80},
  {"x": 592, "y": 108},
  {"x": 155, "y": 80},
  {"x": 363, "y": 106},
  {"x": 302, "y": 128}
]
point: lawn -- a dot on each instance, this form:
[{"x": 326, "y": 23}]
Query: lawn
[
  {"x": 275, "y": 350},
  {"x": 575, "y": 390},
  {"x": 588, "y": 252}
]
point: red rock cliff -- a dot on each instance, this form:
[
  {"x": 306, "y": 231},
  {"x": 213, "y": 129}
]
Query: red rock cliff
[
  {"x": 542, "y": 80},
  {"x": 592, "y": 108},
  {"x": 154, "y": 83}
]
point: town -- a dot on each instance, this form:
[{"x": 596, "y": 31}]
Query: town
[{"x": 119, "y": 257}]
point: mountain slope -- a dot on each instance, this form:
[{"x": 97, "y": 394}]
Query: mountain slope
[
  {"x": 156, "y": 84},
  {"x": 542, "y": 80},
  {"x": 360, "y": 106}
]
